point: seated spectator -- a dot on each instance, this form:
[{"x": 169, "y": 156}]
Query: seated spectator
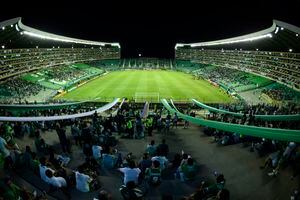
[
  {"x": 187, "y": 170},
  {"x": 9, "y": 190},
  {"x": 103, "y": 195},
  {"x": 153, "y": 174},
  {"x": 55, "y": 181},
  {"x": 43, "y": 168},
  {"x": 131, "y": 192},
  {"x": 90, "y": 165},
  {"x": 151, "y": 148},
  {"x": 82, "y": 181},
  {"x": 219, "y": 185},
  {"x": 131, "y": 173},
  {"x": 109, "y": 160}
]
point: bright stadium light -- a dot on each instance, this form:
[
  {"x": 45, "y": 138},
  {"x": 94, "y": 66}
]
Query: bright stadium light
[
  {"x": 69, "y": 40},
  {"x": 21, "y": 33},
  {"x": 282, "y": 28},
  {"x": 250, "y": 39},
  {"x": 3, "y": 28},
  {"x": 277, "y": 29},
  {"x": 37, "y": 47},
  {"x": 256, "y": 49},
  {"x": 140, "y": 54},
  {"x": 17, "y": 28},
  {"x": 290, "y": 50},
  {"x": 11, "y": 25},
  {"x": 297, "y": 35},
  {"x": 2, "y": 46}
]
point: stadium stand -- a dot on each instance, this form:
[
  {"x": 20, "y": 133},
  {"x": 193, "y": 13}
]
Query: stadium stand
[
  {"x": 77, "y": 150},
  {"x": 262, "y": 53},
  {"x": 37, "y": 56}
]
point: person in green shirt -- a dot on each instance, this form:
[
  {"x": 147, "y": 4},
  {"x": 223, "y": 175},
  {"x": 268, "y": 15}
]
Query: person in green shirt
[
  {"x": 188, "y": 170},
  {"x": 11, "y": 191},
  {"x": 153, "y": 174}
]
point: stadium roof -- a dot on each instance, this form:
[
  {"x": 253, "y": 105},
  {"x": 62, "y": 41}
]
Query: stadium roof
[
  {"x": 280, "y": 36},
  {"x": 32, "y": 32}
]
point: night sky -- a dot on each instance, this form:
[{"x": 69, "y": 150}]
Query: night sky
[{"x": 152, "y": 29}]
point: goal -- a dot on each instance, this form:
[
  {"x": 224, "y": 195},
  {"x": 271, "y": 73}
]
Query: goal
[{"x": 151, "y": 97}]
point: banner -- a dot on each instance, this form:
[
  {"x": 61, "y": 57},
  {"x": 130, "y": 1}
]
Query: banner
[
  {"x": 293, "y": 117},
  {"x": 269, "y": 133},
  {"x": 61, "y": 117}
]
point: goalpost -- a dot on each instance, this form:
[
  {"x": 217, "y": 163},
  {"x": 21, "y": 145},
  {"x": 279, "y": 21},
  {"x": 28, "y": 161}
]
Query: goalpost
[{"x": 151, "y": 97}]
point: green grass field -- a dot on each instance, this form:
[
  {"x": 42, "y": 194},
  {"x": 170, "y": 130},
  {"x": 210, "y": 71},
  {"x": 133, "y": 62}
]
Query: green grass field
[{"x": 169, "y": 84}]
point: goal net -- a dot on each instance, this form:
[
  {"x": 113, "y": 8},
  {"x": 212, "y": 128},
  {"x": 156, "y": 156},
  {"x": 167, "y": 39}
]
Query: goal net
[{"x": 151, "y": 97}]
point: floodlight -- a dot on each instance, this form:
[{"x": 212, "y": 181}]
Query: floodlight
[
  {"x": 282, "y": 28},
  {"x": 17, "y": 28},
  {"x": 297, "y": 35},
  {"x": 3, "y": 28},
  {"x": 11, "y": 25},
  {"x": 3, "y": 46},
  {"x": 290, "y": 50},
  {"x": 256, "y": 49}
]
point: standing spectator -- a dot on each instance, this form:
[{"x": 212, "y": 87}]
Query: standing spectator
[
  {"x": 75, "y": 131},
  {"x": 163, "y": 148},
  {"x": 175, "y": 120},
  {"x": 4, "y": 149},
  {"x": 151, "y": 148},
  {"x": 144, "y": 163},
  {"x": 161, "y": 159},
  {"x": 61, "y": 132}
]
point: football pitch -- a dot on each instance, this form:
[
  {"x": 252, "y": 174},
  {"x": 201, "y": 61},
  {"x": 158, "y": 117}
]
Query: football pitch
[{"x": 145, "y": 85}]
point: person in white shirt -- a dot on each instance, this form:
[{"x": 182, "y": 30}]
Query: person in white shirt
[
  {"x": 131, "y": 173},
  {"x": 162, "y": 160},
  {"x": 4, "y": 147},
  {"x": 55, "y": 181},
  {"x": 43, "y": 168},
  {"x": 82, "y": 181},
  {"x": 97, "y": 152},
  {"x": 5, "y": 151}
]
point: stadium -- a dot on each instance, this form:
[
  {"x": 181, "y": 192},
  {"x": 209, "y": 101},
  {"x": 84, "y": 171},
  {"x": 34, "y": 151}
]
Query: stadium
[{"x": 79, "y": 121}]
